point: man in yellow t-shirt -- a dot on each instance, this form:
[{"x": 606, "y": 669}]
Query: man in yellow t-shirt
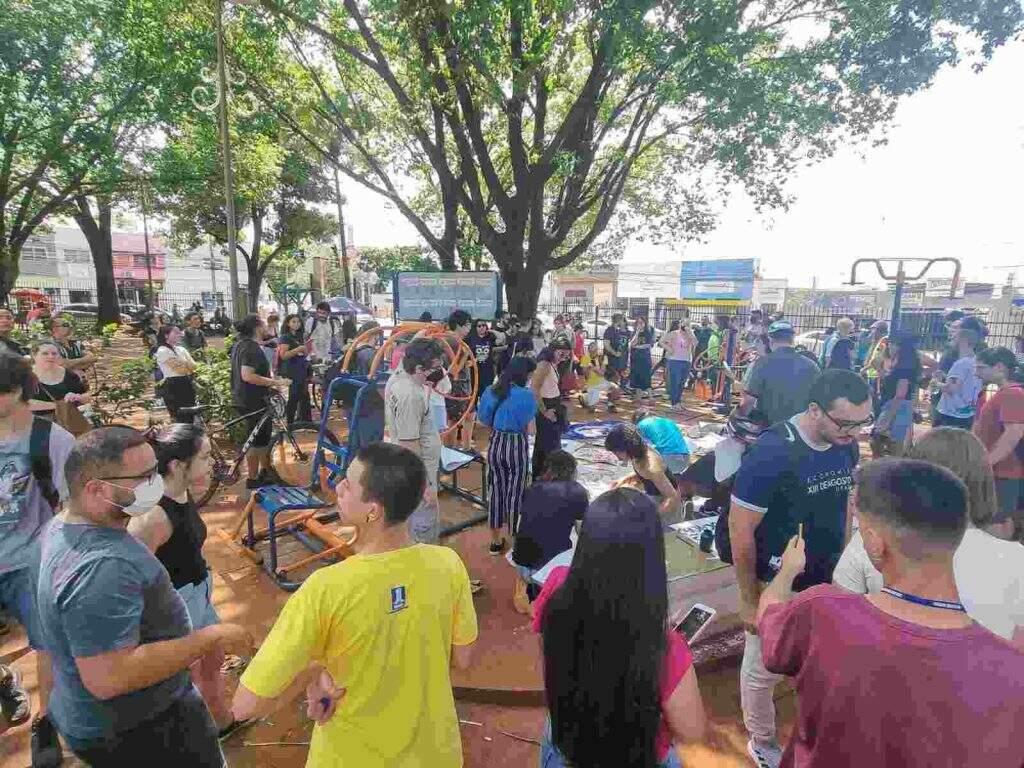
[{"x": 374, "y": 635}]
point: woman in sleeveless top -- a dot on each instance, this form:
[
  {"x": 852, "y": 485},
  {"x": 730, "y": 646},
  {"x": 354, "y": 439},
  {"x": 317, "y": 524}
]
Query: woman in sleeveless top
[
  {"x": 551, "y": 416},
  {"x": 174, "y": 531}
]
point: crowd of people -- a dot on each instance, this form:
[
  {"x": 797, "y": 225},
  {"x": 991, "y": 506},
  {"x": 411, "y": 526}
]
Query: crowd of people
[{"x": 890, "y": 589}]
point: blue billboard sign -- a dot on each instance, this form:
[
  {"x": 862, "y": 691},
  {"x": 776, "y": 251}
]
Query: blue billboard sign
[
  {"x": 718, "y": 280},
  {"x": 438, "y": 293}
]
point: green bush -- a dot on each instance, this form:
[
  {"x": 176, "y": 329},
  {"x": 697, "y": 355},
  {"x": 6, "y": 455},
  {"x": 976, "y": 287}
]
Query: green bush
[{"x": 122, "y": 389}]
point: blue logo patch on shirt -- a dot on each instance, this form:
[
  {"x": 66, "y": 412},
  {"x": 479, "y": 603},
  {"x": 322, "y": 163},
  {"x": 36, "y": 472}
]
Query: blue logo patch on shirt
[{"x": 398, "y": 601}]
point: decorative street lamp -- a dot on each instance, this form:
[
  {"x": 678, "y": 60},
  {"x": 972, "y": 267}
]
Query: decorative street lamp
[{"x": 216, "y": 95}]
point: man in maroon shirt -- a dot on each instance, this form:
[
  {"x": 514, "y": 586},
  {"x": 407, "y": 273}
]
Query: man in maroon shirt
[
  {"x": 1000, "y": 427},
  {"x": 904, "y": 677}
]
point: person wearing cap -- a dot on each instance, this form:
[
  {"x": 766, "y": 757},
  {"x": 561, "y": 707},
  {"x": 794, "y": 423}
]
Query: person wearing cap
[{"x": 779, "y": 383}]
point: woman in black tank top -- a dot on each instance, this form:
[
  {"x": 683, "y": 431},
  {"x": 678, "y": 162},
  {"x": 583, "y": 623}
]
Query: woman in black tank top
[{"x": 175, "y": 533}]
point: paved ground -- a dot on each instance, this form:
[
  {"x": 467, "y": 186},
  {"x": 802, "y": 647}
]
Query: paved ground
[{"x": 508, "y": 657}]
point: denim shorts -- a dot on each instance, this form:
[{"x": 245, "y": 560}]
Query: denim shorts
[
  {"x": 18, "y": 597},
  {"x": 199, "y": 602},
  {"x": 1010, "y": 494}
]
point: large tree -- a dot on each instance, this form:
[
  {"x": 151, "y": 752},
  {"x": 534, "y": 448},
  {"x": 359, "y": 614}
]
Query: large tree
[
  {"x": 279, "y": 192},
  {"x": 548, "y": 121}
]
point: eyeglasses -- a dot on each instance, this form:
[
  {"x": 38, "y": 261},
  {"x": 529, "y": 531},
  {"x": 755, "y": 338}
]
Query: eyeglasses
[
  {"x": 144, "y": 477},
  {"x": 849, "y": 426}
]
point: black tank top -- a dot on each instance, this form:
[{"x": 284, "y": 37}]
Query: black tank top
[{"x": 182, "y": 553}]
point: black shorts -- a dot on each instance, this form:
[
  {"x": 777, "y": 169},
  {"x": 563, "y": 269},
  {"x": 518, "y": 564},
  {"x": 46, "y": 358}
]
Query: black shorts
[{"x": 262, "y": 439}]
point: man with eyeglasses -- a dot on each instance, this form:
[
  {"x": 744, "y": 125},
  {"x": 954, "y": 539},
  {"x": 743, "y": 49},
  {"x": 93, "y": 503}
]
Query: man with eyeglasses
[
  {"x": 795, "y": 479},
  {"x": 32, "y": 455},
  {"x": 409, "y": 422},
  {"x": 73, "y": 355},
  {"x": 118, "y": 631}
]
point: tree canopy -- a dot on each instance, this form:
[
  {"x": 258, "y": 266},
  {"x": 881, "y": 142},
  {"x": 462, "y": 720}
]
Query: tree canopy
[{"x": 555, "y": 127}]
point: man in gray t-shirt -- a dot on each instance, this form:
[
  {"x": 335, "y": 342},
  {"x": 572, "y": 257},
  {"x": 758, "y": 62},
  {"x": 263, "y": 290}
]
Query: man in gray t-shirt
[
  {"x": 779, "y": 384},
  {"x": 32, "y": 454},
  {"x": 410, "y": 424},
  {"x": 118, "y": 632}
]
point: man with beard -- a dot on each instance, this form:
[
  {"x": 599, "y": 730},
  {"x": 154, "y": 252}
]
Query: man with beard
[{"x": 794, "y": 480}]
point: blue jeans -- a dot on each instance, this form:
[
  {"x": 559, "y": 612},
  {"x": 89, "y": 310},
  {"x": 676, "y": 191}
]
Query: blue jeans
[
  {"x": 678, "y": 373},
  {"x": 550, "y": 757}
]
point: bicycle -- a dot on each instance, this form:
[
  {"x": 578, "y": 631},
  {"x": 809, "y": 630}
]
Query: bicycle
[{"x": 293, "y": 467}]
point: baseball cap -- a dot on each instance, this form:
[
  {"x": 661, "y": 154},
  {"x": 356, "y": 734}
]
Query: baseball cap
[{"x": 780, "y": 327}]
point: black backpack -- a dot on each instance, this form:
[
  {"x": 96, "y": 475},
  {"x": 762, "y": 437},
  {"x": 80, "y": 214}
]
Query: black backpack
[{"x": 39, "y": 456}]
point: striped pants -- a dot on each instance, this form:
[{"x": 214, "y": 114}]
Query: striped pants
[{"x": 508, "y": 466}]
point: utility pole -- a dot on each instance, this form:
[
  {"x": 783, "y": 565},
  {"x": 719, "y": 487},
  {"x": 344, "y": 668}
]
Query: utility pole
[
  {"x": 340, "y": 200},
  {"x": 213, "y": 272},
  {"x": 225, "y": 141},
  {"x": 145, "y": 239}
]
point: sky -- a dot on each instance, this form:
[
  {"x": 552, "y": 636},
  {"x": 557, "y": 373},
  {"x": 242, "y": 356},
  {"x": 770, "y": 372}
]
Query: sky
[{"x": 948, "y": 183}]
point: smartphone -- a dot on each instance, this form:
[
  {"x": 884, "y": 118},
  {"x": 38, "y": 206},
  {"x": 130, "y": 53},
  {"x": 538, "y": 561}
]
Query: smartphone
[{"x": 693, "y": 623}]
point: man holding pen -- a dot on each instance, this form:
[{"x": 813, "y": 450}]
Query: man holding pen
[{"x": 797, "y": 477}]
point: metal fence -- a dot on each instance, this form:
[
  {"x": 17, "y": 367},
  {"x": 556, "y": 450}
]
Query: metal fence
[{"x": 929, "y": 325}]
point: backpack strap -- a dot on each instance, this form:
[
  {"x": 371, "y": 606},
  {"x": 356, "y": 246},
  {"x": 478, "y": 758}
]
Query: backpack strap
[{"x": 39, "y": 455}]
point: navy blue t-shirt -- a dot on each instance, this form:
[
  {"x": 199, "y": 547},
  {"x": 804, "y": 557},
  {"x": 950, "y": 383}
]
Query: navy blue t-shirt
[{"x": 793, "y": 482}]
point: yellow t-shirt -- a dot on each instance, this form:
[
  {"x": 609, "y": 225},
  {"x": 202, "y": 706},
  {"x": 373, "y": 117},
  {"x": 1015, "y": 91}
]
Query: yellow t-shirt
[
  {"x": 593, "y": 377},
  {"x": 383, "y": 625}
]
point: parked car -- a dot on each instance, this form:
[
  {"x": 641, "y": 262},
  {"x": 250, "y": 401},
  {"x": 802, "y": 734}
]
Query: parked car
[
  {"x": 85, "y": 311},
  {"x": 345, "y": 307},
  {"x": 812, "y": 341}
]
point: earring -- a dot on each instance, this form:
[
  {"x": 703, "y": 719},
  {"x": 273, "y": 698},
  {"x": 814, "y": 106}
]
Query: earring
[{"x": 369, "y": 517}]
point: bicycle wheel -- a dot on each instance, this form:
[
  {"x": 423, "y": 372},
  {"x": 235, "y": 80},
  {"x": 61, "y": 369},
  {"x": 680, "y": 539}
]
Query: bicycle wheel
[
  {"x": 222, "y": 472},
  {"x": 295, "y": 462}
]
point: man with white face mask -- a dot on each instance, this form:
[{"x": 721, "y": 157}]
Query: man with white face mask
[{"x": 118, "y": 632}]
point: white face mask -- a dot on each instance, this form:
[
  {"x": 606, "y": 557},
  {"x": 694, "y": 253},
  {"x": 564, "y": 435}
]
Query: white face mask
[{"x": 147, "y": 494}]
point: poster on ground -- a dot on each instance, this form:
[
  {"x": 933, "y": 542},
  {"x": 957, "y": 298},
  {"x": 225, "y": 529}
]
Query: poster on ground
[{"x": 438, "y": 293}]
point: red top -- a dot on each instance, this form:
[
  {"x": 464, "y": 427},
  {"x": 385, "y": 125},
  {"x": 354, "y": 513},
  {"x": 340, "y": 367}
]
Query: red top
[
  {"x": 875, "y": 690},
  {"x": 579, "y": 342},
  {"x": 1005, "y": 407},
  {"x": 678, "y": 658}
]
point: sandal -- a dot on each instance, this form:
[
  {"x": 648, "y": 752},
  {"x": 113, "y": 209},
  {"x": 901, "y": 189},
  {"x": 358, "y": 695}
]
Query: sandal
[
  {"x": 476, "y": 586},
  {"x": 764, "y": 755}
]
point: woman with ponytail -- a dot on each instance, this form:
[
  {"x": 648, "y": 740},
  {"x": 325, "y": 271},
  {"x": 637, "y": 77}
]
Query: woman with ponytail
[{"x": 174, "y": 531}]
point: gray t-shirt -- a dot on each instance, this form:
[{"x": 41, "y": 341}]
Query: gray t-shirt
[
  {"x": 23, "y": 510},
  {"x": 407, "y": 417},
  {"x": 100, "y": 590},
  {"x": 781, "y": 381}
]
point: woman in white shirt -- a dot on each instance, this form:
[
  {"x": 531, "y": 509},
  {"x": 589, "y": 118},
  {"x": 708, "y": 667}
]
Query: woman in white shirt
[
  {"x": 177, "y": 367},
  {"x": 678, "y": 344},
  {"x": 989, "y": 571}
]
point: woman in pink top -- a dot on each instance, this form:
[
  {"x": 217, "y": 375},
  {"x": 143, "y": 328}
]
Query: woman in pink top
[
  {"x": 620, "y": 685},
  {"x": 678, "y": 344}
]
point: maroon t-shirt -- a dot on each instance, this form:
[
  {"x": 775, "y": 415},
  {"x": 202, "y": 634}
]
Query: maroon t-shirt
[{"x": 881, "y": 692}]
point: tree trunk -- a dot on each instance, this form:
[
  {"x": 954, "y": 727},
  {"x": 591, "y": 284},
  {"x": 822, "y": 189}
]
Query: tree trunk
[
  {"x": 522, "y": 286},
  {"x": 99, "y": 234},
  {"x": 10, "y": 256},
  {"x": 255, "y": 277}
]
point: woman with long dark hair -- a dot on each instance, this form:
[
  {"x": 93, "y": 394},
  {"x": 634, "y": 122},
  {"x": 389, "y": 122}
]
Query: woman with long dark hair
[
  {"x": 619, "y": 682},
  {"x": 551, "y": 416},
  {"x": 894, "y": 427},
  {"x": 293, "y": 365},
  {"x": 177, "y": 366},
  {"x": 508, "y": 407},
  {"x": 640, "y": 368},
  {"x": 175, "y": 532}
]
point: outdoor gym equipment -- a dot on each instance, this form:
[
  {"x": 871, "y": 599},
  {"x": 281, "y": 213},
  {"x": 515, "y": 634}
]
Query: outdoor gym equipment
[
  {"x": 901, "y": 277},
  {"x": 309, "y": 525}
]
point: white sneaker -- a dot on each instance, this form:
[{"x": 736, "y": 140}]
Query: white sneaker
[{"x": 764, "y": 755}]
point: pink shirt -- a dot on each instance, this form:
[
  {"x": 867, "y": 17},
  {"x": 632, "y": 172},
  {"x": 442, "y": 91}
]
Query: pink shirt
[
  {"x": 875, "y": 690},
  {"x": 678, "y": 658},
  {"x": 679, "y": 346}
]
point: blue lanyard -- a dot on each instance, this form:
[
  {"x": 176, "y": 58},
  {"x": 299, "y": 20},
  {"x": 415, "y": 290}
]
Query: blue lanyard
[{"x": 924, "y": 600}]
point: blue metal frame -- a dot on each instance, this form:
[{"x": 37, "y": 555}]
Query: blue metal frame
[{"x": 344, "y": 453}]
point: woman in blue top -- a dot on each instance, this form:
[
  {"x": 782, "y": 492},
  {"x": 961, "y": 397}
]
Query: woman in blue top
[
  {"x": 640, "y": 359},
  {"x": 508, "y": 408}
]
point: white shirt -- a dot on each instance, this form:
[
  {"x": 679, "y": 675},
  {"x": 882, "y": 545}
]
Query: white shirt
[
  {"x": 163, "y": 354},
  {"x": 989, "y": 575}
]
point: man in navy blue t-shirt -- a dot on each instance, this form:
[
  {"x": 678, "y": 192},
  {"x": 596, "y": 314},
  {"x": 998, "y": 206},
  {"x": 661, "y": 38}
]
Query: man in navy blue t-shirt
[{"x": 796, "y": 477}]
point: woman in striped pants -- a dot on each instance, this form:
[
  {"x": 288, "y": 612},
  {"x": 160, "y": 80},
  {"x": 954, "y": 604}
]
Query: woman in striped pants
[{"x": 508, "y": 407}]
